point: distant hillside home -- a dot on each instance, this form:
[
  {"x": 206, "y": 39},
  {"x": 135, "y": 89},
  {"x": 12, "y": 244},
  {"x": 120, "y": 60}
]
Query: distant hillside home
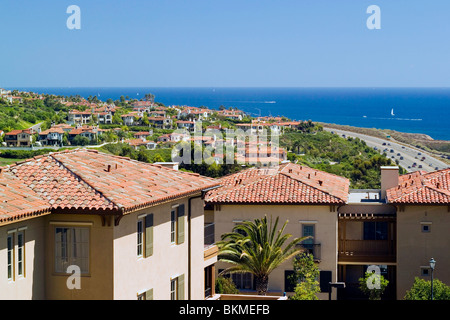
[
  {"x": 52, "y": 137},
  {"x": 143, "y": 134},
  {"x": 188, "y": 125},
  {"x": 160, "y": 122},
  {"x": 90, "y": 132},
  {"x": 132, "y": 118},
  {"x": 136, "y": 143},
  {"x": 19, "y": 138}
]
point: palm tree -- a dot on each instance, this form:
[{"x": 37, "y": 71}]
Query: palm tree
[{"x": 257, "y": 247}]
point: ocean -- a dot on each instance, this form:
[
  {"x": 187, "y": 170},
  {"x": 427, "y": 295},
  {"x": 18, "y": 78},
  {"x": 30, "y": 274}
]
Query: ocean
[{"x": 413, "y": 110}]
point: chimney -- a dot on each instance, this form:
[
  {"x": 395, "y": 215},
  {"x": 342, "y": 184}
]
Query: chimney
[
  {"x": 171, "y": 165},
  {"x": 389, "y": 179}
]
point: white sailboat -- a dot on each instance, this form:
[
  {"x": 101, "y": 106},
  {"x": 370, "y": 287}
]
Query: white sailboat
[{"x": 392, "y": 112}]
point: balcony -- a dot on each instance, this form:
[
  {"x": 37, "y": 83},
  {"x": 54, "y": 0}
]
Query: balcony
[
  {"x": 210, "y": 248},
  {"x": 367, "y": 250},
  {"x": 367, "y": 238},
  {"x": 209, "y": 234}
]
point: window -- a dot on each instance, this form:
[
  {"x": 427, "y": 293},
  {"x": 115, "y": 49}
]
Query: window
[
  {"x": 10, "y": 256},
  {"x": 177, "y": 224},
  {"x": 145, "y": 236},
  {"x": 425, "y": 271},
  {"x": 140, "y": 236},
  {"x": 147, "y": 295},
  {"x": 243, "y": 280},
  {"x": 173, "y": 226},
  {"x": 177, "y": 288},
  {"x": 71, "y": 248},
  {"x": 308, "y": 230},
  {"x": 20, "y": 253},
  {"x": 376, "y": 230},
  {"x": 426, "y": 227},
  {"x": 173, "y": 289}
]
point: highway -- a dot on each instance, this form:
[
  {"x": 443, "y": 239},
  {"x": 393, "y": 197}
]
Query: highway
[{"x": 410, "y": 158}]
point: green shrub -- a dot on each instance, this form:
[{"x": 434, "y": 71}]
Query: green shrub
[
  {"x": 421, "y": 290},
  {"x": 225, "y": 285}
]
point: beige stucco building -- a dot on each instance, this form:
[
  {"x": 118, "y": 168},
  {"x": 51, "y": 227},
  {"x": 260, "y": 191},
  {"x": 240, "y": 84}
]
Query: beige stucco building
[
  {"x": 135, "y": 232},
  {"x": 138, "y": 231},
  {"x": 308, "y": 199},
  {"x": 396, "y": 229}
]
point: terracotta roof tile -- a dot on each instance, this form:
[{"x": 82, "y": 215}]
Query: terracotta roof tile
[
  {"x": 287, "y": 184},
  {"x": 17, "y": 201},
  {"x": 90, "y": 180},
  {"x": 422, "y": 188},
  {"x": 128, "y": 183}
]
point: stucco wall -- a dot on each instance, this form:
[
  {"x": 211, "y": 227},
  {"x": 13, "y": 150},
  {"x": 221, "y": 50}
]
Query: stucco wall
[
  {"x": 325, "y": 232},
  {"x": 31, "y": 285},
  {"x": 415, "y": 248},
  {"x": 134, "y": 274},
  {"x": 98, "y": 283}
]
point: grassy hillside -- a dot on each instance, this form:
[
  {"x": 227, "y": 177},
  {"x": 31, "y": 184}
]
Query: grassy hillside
[{"x": 350, "y": 158}]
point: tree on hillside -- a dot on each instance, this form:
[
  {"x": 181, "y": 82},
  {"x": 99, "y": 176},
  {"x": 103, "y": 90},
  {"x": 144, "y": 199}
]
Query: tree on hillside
[{"x": 149, "y": 97}]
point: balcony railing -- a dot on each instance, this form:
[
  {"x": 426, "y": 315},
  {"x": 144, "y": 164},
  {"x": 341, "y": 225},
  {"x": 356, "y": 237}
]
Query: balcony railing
[
  {"x": 312, "y": 248},
  {"x": 209, "y": 234},
  {"x": 366, "y": 249}
]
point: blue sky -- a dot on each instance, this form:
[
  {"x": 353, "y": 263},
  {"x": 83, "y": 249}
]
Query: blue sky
[{"x": 225, "y": 43}]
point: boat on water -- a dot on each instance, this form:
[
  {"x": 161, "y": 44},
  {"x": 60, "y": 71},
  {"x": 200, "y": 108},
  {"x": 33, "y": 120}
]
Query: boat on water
[{"x": 392, "y": 112}]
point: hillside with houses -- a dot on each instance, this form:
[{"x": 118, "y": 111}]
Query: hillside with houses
[{"x": 148, "y": 131}]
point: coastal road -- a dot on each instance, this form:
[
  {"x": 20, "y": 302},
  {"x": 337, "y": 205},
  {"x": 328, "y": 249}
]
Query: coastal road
[{"x": 410, "y": 158}]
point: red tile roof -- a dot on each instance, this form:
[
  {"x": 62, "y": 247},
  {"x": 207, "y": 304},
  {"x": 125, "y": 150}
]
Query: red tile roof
[
  {"x": 422, "y": 188},
  {"x": 58, "y": 186},
  {"x": 53, "y": 129},
  {"x": 132, "y": 184},
  {"x": 89, "y": 180},
  {"x": 17, "y": 201},
  {"x": 286, "y": 184}
]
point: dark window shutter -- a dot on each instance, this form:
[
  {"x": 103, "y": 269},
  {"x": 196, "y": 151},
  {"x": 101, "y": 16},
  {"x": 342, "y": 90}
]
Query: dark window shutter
[
  {"x": 289, "y": 286},
  {"x": 148, "y": 235},
  {"x": 325, "y": 279},
  {"x": 180, "y": 228}
]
